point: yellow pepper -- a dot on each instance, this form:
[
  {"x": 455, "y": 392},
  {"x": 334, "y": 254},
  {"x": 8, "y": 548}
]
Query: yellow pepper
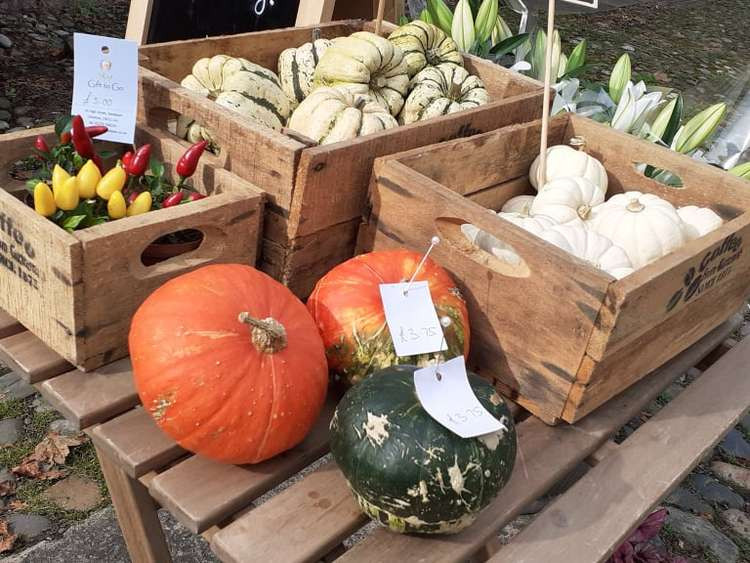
[
  {"x": 59, "y": 176},
  {"x": 66, "y": 197},
  {"x": 141, "y": 204},
  {"x": 88, "y": 178},
  {"x": 113, "y": 181},
  {"x": 116, "y": 206},
  {"x": 44, "y": 201}
]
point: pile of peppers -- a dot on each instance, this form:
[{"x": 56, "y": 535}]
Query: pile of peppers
[{"x": 127, "y": 189}]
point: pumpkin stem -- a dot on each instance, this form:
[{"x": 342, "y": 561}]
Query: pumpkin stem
[
  {"x": 579, "y": 143},
  {"x": 584, "y": 210},
  {"x": 635, "y": 206},
  {"x": 268, "y": 335},
  {"x": 455, "y": 91}
]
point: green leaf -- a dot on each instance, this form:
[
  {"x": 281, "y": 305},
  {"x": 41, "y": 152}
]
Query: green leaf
[
  {"x": 426, "y": 17},
  {"x": 72, "y": 222},
  {"x": 403, "y": 20},
  {"x": 577, "y": 57},
  {"x": 157, "y": 167},
  {"x": 63, "y": 124},
  {"x": 107, "y": 154},
  {"x": 31, "y": 184},
  {"x": 674, "y": 122},
  {"x": 510, "y": 44}
]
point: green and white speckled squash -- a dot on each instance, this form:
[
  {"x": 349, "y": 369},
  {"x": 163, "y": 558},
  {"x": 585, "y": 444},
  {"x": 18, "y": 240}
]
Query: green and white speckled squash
[
  {"x": 425, "y": 44},
  {"x": 369, "y": 64},
  {"x": 407, "y": 471},
  {"x": 443, "y": 89},
  {"x": 297, "y": 68}
]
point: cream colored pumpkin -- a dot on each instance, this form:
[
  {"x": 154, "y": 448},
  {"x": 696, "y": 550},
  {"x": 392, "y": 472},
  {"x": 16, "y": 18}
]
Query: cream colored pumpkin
[
  {"x": 536, "y": 225},
  {"x": 520, "y": 204},
  {"x": 490, "y": 244},
  {"x": 592, "y": 247},
  {"x": 330, "y": 115},
  {"x": 424, "y": 44},
  {"x": 297, "y": 68},
  {"x": 699, "y": 221},
  {"x": 646, "y": 226},
  {"x": 238, "y": 84},
  {"x": 440, "y": 90},
  {"x": 369, "y": 64},
  {"x": 564, "y": 161},
  {"x": 567, "y": 199}
]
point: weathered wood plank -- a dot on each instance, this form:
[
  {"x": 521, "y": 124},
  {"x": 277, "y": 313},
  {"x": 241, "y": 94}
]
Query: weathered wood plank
[
  {"x": 30, "y": 357},
  {"x": 9, "y": 325}
]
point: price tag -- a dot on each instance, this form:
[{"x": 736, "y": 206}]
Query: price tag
[
  {"x": 105, "y": 84},
  {"x": 450, "y": 400},
  {"x": 412, "y": 319}
]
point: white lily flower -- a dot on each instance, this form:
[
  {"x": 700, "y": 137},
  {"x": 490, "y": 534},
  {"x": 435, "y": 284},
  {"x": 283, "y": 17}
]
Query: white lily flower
[{"x": 634, "y": 108}]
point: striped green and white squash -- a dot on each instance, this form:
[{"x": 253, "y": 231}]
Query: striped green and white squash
[
  {"x": 443, "y": 89},
  {"x": 297, "y": 68},
  {"x": 334, "y": 114},
  {"x": 424, "y": 44},
  {"x": 407, "y": 471},
  {"x": 368, "y": 63},
  {"x": 249, "y": 89}
]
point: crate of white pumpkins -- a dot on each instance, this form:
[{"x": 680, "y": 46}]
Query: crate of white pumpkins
[
  {"x": 302, "y": 113},
  {"x": 579, "y": 288}
]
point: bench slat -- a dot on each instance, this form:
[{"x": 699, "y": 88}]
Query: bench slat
[
  {"x": 136, "y": 442},
  {"x": 200, "y": 492},
  {"x": 550, "y": 452},
  {"x": 87, "y": 398},
  {"x": 9, "y": 325},
  {"x": 25, "y": 354},
  {"x": 624, "y": 487}
]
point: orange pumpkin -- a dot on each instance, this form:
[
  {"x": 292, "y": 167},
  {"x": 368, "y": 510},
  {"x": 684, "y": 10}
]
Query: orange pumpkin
[
  {"x": 229, "y": 363},
  {"x": 348, "y": 309}
]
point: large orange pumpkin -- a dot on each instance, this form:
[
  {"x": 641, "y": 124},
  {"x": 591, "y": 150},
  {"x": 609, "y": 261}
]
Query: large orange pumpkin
[
  {"x": 348, "y": 309},
  {"x": 229, "y": 363}
]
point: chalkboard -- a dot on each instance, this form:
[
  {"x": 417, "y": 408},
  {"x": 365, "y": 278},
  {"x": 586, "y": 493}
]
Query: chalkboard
[{"x": 173, "y": 20}]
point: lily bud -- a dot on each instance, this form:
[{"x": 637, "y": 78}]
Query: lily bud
[
  {"x": 660, "y": 124},
  {"x": 462, "y": 29},
  {"x": 741, "y": 170},
  {"x": 426, "y": 17},
  {"x": 501, "y": 31},
  {"x": 486, "y": 20},
  {"x": 440, "y": 14},
  {"x": 619, "y": 78},
  {"x": 698, "y": 130}
]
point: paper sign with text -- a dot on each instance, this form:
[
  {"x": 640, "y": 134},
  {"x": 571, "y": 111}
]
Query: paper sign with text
[
  {"x": 105, "y": 84},
  {"x": 451, "y": 401},
  {"x": 412, "y": 319}
]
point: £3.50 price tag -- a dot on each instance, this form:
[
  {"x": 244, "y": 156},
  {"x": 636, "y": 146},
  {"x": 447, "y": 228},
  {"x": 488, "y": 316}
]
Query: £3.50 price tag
[
  {"x": 446, "y": 395},
  {"x": 412, "y": 319}
]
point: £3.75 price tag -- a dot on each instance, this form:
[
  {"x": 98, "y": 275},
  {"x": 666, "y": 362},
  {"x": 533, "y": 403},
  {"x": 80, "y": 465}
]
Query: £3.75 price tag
[
  {"x": 446, "y": 395},
  {"x": 412, "y": 319}
]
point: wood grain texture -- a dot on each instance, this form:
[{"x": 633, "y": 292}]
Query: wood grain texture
[
  {"x": 28, "y": 356},
  {"x": 311, "y": 12},
  {"x": 9, "y": 325},
  {"x": 139, "y": 20},
  {"x": 94, "y": 397},
  {"x": 135, "y": 442},
  {"x": 626, "y": 489},
  {"x": 201, "y": 493}
]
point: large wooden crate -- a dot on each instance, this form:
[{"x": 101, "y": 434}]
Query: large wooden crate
[
  {"x": 77, "y": 291},
  {"x": 560, "y": 336},
  {"x": 317, "y": 194}
]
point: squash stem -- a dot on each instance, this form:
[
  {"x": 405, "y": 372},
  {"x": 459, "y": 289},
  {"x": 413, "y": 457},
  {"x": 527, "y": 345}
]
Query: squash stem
[{"x": 268, "y": 335}]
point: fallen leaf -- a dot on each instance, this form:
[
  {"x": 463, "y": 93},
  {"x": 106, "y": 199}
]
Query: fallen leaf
[
  {"x": 6, "y": 538},
  {"x": 53, "y": 449},
  {"x": 52, "y": 474},
  {"x": 16, "y": 505},
  {"x": 7, "y": 488}
]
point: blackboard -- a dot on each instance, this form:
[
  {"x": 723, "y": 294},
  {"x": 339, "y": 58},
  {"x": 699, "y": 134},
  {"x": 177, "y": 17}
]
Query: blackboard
[{"x": 173, "y": 20}]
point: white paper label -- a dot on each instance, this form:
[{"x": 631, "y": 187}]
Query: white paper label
[
  {"x": 412, "y": 319},
  {"x": 105, "y": 84},
  {"x": 450, "y": 400}
]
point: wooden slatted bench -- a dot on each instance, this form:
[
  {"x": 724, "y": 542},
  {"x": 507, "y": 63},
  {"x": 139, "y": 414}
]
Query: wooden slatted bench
[{"x": 315, "y": 513}]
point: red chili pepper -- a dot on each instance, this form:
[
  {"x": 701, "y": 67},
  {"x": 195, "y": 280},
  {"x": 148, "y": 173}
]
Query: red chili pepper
[
  {"x": 133, "y": 195},
  {"x": 172, "y": 200},
  {"x": 81, "y": 140},
  {"x": 189, "y": 161},
  {"x": 127, "y": 158},
  {"x": 41, "y": 145},
  {"x": 139, "y": 162},
  {"x": 96, "y": 130},
  {"x": 65, "y": 138},
  {"x": 195, "y": 196}
]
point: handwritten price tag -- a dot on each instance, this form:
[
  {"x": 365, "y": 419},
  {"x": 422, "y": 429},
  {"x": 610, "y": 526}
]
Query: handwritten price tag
[
  {"x": 105, "y": 84},
  {"x": 412, "y": 319},
  {"x": 451, "y": 401}
]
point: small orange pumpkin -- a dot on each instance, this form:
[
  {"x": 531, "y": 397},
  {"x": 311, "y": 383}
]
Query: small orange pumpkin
[{"x": 229, "y": 363}]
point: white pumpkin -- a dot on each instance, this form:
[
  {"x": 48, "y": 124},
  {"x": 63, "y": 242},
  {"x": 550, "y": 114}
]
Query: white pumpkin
[
  {"x": 369, "y": 64},
  {"x": 424, "y": 44},
  {"x": 329, "y": 115},
  {"x": 567, "y": 199},
  {"x": 646, "y": 226},
  {"x": 490, "y": 244},
  {"x": 699, "y": 221},
  {"x": 536, "y": 225},
  {"x": 564, "y": 161},
  {"x": 297, "y": 68},
  {"x": 443, "y": 89},
  {"x": 592, "y": 247},
  {"x": 520, "y": 204},
  {"x": 236, "y": 83}
]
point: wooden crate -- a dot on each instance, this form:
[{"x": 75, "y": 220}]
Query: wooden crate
[
  {"x": 77, "y": 291},
  {"x": 560, "y": 336},
  {"x": 316, "y": 193}
]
